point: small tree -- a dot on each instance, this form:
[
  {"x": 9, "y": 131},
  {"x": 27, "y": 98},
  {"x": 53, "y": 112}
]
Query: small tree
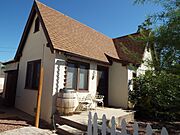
[
  {"x": 157, "y": 95},
  {"x": 164, "y": 38}
]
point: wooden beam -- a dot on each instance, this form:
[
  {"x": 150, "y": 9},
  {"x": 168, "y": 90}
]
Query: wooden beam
[{"x": 38, "y": 106}]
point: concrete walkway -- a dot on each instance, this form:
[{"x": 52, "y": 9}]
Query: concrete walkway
[{"x": 28, "y": 131}]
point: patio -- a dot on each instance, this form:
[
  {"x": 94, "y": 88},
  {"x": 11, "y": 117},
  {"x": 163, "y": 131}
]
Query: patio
[
  {"x": 118, "y": 113},
  {"x": 79, "y": 121}
]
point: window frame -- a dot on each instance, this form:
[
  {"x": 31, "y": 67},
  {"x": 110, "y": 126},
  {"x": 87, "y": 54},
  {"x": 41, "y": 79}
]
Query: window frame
[
  {"x": 34, "y": 74},
  {"x": 77, "y": 65}
]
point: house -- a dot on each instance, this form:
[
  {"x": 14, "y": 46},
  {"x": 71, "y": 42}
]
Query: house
[
  {"x": 73, "y": 56},
  {"x": 2, "y": 76},
  {"x": 138, "y": 55}
]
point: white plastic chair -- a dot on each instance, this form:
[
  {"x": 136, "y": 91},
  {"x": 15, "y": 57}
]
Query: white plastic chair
[
  {"x": 86, "y": 102},
  {"x": 99, "y": 99}
]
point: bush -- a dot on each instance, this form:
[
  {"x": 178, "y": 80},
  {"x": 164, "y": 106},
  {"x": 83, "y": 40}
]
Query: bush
[{"x": 157, "y": 95}]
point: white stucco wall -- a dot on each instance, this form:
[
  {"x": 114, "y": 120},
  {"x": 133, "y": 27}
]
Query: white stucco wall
[
  {"x": 59, "y": 72},
  {"x": 118, "y": 85},
  {"x": 4, "y": 86},
  {"x": 130, "y": 77},
  {"x": 146, "y": 59},
  {"x": 1, "y": 84},
  {"x": 142, "y": 68},
  {"x": 2, "y": 77},
  {"x": 34, "y": 49},
  {"x": 58, "y": 78}
]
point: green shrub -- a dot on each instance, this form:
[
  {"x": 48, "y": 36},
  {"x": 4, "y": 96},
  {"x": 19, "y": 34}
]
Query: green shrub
[{"x": 157, "y": 95}]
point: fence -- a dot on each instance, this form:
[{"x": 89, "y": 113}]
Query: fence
[{"x": 96, "y": 127}]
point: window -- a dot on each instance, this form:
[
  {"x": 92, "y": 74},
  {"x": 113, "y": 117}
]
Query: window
[
  {"x": 83, "y": 77},
  {"x": 36, "y": 27},
  {"x": 77, "y": 76},
  {"x": 71, "y": 76},
  {"x": 33, "y": 74}
]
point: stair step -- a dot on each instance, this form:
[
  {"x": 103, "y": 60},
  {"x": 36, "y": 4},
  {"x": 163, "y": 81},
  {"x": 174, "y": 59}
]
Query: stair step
[
  {"x": 63, "y": 121},
  {"x": 67, "y": 130}
]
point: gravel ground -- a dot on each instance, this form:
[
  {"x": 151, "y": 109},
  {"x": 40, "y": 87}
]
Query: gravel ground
[
  {"x": 173, "y": 128},
  {"x": 12, "y": 123},
  {"x": 11, "y": 118},
  {"x": 28, "y": 131}
]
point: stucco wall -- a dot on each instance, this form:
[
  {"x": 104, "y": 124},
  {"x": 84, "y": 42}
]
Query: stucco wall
[
  {"x": 4, "y": 86},
  {"x": 142, "y": 68},
  {"x": 146, "y": 59},
  {"x": 34, "y": 49},
  {"x": 1, "y": 84},
  {"x": 130, "y": 77},
  {"x": 58, "y": 79},
  {"x": 2, "y": 78},
  {"x": 118, "y": 85},
  {"x": 59, "y": 72}
]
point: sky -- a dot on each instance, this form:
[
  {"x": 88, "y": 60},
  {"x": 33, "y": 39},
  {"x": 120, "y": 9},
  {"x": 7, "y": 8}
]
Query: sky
[{"x": 114, "y": 18}]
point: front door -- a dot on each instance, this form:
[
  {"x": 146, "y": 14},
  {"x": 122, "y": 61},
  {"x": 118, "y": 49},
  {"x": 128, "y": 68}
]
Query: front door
[
  {"x": 10, "y": 91},
  {"x": 102, "y": 83}
]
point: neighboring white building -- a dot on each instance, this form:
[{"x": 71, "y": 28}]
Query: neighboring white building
[
  {"x": 138, "y": 55},
  {"x": 2, "y": 76},
  {"x": 73, "y": 56}
]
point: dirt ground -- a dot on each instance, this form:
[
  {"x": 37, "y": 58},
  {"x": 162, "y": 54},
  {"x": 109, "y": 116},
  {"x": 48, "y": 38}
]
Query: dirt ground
[
  {"x": 173, "y": 128},
  {"x": 12, "y": 123},
  {"x": 11, "y": 118}
]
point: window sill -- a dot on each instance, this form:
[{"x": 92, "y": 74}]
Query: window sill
[{"x": 82, "y": 91}]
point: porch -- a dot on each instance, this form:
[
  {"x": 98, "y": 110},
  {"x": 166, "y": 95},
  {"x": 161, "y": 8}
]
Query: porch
[{"x": 77, "y": 123}]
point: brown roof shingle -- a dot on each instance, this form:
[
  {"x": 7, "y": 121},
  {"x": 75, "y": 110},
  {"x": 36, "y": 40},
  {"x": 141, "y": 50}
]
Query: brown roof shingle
[
  {"x": 69, "y": 35},
  {"x": 130, "y": 48}
]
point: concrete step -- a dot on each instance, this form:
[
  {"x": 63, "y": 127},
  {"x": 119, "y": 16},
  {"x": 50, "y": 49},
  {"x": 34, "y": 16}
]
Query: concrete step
[
  {"x": 63, "y": 121},
  {"x": 68, "y": 130}
]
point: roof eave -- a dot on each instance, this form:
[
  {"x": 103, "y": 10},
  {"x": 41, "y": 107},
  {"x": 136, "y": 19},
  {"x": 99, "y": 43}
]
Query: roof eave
[{"x": 83, "y": 57}]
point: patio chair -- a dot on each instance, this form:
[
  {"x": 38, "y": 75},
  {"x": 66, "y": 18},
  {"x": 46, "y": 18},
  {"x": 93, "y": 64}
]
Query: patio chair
[
  {"x": 99, "y": 99},
  {"x": 85, "y": 102}
]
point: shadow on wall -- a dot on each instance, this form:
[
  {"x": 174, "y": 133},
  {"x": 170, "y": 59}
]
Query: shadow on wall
[{"x": 58, "y": 64}]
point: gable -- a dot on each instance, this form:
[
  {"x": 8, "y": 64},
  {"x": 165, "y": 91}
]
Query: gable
[
  {"x": 130, "y": 48},
  {"x": 33, "y": 15},
  {"x": 35, "y": 42}
]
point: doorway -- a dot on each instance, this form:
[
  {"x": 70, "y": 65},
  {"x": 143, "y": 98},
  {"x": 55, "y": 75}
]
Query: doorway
[
  {"x": 10, "y": 90},
  {"x": 102, "y": 83}
]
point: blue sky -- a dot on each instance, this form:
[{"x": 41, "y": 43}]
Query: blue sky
[{"x": 113, "y": 18}]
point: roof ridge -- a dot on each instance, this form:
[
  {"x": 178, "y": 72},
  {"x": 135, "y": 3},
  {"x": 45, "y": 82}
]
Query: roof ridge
[
  {"x": 127, "y": 35},
  {"x": 71, "y": 18}
]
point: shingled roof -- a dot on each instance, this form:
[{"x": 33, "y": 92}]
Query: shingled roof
[
  {"x": 130, "y": 48},
  {"x": 69, "y": 35},
  {"x": 72, "y": 37}
]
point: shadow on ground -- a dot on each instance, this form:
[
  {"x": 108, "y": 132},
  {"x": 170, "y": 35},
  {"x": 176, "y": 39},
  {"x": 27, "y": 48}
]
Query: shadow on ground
[{"x": 12, "y": 118}]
